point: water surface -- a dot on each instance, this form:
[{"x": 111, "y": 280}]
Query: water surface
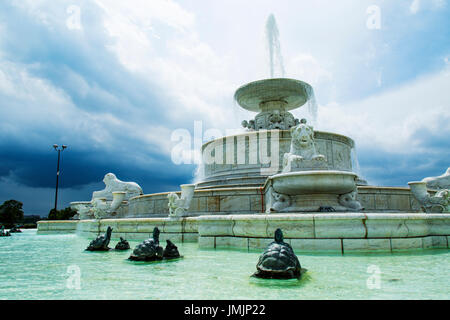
[{"x": 41, "y": 266}]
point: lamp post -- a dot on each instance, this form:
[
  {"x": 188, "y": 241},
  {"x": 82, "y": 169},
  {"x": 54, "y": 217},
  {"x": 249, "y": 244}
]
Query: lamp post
[{"x": 57, "y": 148}]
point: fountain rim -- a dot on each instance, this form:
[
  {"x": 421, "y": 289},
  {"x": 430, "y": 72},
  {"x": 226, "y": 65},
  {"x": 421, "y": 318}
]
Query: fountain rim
[
  {"x": 313, "y": 172},
  {"x": 343, "y": 182},
  {"x": 306, "y": 173},
  {"x": 348, "y": 140},
  {"x": 256, "y": 107}
]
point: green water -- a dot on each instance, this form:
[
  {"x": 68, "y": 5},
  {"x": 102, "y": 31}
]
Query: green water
[{"x": 36, "y": 267}]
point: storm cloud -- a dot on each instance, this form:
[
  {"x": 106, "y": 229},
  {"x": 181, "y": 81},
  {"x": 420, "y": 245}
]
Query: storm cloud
[{"x": 115, "y": 87}]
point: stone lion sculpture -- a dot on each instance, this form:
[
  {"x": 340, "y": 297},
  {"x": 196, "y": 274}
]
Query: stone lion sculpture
[
  {"x": 302, "y": 148},
  {"x": 440, "y": 182},
  {"x": 132, "y": 189}
]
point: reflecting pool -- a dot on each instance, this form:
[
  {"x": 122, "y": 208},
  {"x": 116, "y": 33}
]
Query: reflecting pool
[{"x": 46, "y": 267}]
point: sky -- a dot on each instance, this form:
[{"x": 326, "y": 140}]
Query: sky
[{"x": 114, "y": 79}]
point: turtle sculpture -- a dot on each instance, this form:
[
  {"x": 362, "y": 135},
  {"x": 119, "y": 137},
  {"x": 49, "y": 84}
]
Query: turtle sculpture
[
  {"x": 278, "y": 261},
  {"x": 15, "y": 229},
  {"x": 101, "y": 243},
  {"x": 4, "y": 233},
  {"x": 149, "y": 250},
  {"x": 171, "y": 251},
  {"x": 122, "y": 244}
]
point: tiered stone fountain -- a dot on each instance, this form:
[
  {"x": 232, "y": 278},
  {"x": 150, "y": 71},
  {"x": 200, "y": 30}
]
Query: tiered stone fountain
[
  {"x": 280, "y": 173},
  {"x": 306, "y": 182},
  {"x": 272, "y": 99},
  {"x": 307, "y": 189}
]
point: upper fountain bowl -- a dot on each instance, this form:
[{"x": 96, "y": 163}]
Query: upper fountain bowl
[{"x": 292, "y": 93}]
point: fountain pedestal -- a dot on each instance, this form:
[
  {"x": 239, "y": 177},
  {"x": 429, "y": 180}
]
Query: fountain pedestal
[
  {"x": 310, "y": 191},
  {"x": 303, "y": 185}
]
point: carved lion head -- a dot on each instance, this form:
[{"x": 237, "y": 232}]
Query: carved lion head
[
  {"x": 109, "y": 177},
  {"x": 302, "y": 135}
]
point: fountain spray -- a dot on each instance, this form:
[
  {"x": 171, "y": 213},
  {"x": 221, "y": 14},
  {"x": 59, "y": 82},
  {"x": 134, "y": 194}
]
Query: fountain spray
[{"x": 273, "y": 46}]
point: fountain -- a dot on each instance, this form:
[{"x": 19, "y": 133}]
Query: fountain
[
  {"x": 101, "y": 242},
  {"x": 280, "y": 173},
  {"x": 15, "y": 229},
  {"x": 438, "y": 203},
  {"x": 278, "y": 261},
  {"x": 109, "y": 202},
  {"x": 305, "y": 178},
  {"x": 273, "y": 47},
  {"x": 122, "y": 245},
  {"x": 150, "y": 250},
  {"x": 440, "y": 182},
  {"x": 4, "y": 233},
  {"x": 305, "y": 183},
  {"x": 178, "y": 206},
  {"x": 272, "y": 98}
]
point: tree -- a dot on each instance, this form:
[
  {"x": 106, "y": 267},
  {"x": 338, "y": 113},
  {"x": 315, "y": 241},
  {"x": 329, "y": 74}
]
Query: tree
[
  {"x": 64, "y": 214},
  {"x": 11, "y": 212}
]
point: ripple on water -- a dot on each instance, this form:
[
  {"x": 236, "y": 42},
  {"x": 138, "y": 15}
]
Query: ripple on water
[{"x": 36, "y": 267}]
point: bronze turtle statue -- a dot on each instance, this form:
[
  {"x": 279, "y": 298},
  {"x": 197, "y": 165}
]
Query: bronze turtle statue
[
  {"x": 149, "y": 250},
  {"x": 278, "y": 261},
  {"x": 171, "y": 251},
  {"x": 15, "y": 229},
  {"x": 122, "y": 244},
  {"x": 4, "y": 233},
  {"x": 101, "y": 243}
]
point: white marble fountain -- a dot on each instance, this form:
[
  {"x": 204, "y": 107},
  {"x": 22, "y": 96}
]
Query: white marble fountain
[
  {"x": 308, "y": 188},
  {"x": 280, "y": 173},
  {"x": 306, "y": 183}
]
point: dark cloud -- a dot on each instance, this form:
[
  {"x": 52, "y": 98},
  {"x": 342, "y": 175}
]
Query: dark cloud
[
  {"x": 89, "y": 76},
  {"x": 84, "y": 71},
  {"x": 64, "y": 57},
  {"x": 36, "y": 168},
  {"x": 397, "y": 169},
  {"x": 434, "y": 137}
]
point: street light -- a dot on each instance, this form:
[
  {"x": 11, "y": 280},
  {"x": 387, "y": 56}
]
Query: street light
[{"x": 57, "y": 170}]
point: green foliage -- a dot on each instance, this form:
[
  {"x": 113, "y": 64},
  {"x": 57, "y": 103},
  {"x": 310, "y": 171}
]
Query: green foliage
[
  {"x": 30, "y": 221},
  {"x": 11, "y": 212},
  {"x": 64, "y": 214}
]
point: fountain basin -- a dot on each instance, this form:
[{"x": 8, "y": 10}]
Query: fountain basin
[
  {"x": 206, "y": 276},
  {"x": 254, "y": 95},
  {"x": 314, "y": 182}
]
